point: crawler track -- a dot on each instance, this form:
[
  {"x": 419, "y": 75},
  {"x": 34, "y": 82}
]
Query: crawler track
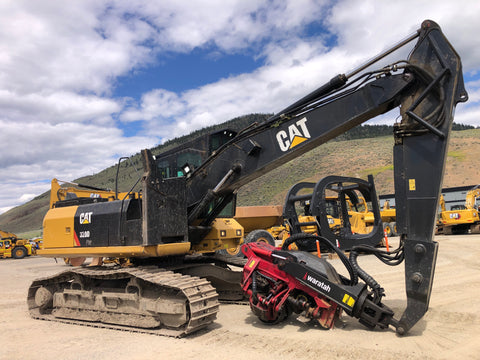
[{"x": 143, "y": 299}]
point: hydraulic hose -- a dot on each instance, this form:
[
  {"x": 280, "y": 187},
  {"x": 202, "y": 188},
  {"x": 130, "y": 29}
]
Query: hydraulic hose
[
  {"x": 392, "y": 258},
  {"x": 304, "y": 238},
  {"x": 369, "y": 280}
]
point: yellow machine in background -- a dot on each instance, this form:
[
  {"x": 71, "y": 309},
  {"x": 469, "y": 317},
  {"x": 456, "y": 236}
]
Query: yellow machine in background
[
  {"x": 362, "y": 218},
  {"x": 13, "y": 247},
  {"x": 266, "y": 224},
  {"x": 74, "y": 190},
  {"x": 460, "y": 219},
  {"x": 388, "y": 216}
]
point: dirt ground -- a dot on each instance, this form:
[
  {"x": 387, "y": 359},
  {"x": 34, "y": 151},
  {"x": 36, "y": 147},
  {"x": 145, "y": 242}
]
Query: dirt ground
[{"x": 449, "y": 329}]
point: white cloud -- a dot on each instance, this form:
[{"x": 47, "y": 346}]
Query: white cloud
[
  {"x": 26, "y": 197},
  {"x": 34, "y": 152},
  {"x": 56, "y": 107},
  {"x": 60, "y": 61},
  {"x": 231, "y": 25},
  {"x": 71, "y": 146},
  {"x": 468, "y": 116},
  {"x": 155, "y": 103},
  {"x": 295, "y": 66},
  {"x": 370, "y": 26}
]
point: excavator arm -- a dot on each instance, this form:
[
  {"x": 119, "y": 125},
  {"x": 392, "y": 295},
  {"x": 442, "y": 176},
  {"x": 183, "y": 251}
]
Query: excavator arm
[
  {"x": 426, "y": 87},
  {"x": 420, "y": 151},
  {"x": 471, "y": 198}
]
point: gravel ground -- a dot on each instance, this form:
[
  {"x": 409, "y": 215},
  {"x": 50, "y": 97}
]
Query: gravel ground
[{"x": 449, "y": 329}]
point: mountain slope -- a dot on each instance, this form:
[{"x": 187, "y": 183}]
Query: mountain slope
[{"x": 359, "y": 158}]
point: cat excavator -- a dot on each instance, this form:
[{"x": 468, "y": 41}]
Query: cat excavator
[
  {"x": 460, "y": 219},
  {"x": 166, "y": 230}
]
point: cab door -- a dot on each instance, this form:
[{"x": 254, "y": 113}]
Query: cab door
[{"x": 6, "y": 248}]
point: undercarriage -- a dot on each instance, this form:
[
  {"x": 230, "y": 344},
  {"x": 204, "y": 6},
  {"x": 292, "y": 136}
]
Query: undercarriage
[{"x": 142, "y": 299}]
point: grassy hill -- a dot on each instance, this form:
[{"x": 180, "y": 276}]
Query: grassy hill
[
  {"x": 357, "y": 157},
  {"x": 360, "y": 158}
]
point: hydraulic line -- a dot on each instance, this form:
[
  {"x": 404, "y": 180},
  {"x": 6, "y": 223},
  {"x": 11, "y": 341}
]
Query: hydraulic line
[
  {"x": 298, "y": 238},
  {"x": 392, "y": 258}
]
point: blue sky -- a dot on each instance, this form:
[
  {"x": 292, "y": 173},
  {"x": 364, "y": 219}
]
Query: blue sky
[
  {"x": 180, "y": 72},
  {"x": 83, "y": 82}
]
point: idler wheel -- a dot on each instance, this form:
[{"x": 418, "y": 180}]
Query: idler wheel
[{"x": 43, "y": 298}]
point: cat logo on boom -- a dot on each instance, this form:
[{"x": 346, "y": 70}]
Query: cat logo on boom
[{"x": 296, "y": 134}]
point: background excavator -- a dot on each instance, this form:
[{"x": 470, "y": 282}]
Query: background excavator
[
  {"x": 170, "y": 230},
  {"x": 461, "y": 219}
]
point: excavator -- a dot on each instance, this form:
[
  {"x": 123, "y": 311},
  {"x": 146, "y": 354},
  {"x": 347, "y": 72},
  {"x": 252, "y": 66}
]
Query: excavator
[
  {"x": 164, "y": 229},
  {"x": 461, "y": 219}
]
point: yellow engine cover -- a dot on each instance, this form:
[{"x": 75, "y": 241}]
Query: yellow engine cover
[{"x": 226, "y": 233}]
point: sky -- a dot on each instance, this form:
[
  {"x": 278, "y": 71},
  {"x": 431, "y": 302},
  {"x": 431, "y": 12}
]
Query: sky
[{"x": 84, "y": 82}]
